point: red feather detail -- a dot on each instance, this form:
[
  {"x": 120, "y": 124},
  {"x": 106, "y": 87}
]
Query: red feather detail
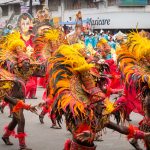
[
  {"x": 67, "y": 144},
  {"x": 20, "y": 135}
]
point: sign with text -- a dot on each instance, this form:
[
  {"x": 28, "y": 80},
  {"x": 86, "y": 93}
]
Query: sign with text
[{"x": 122, "y": 20}]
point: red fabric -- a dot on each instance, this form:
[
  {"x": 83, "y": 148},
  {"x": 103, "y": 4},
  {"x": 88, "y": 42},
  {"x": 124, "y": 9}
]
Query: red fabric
[
  {"x": 130, "y": 100},
  {"x": 134, "y": 132},
  {"x": 116, "y": 75},
  {"x": 20, "y": 105},
  {"x": 29, "y": 42},
  {"x": 42, "y": 82},
  {"x": 76, "y": 146},
  {"x": 8, "y": 132},
  {"x": 45, "y": 95},
  {"x": 131, "y": 131},
  {"x": 83, "y": 127},
  {"x": 130, "y": 104},
  {"x": 67, "y": 144},
  {"x": 4, "y": 104},
  {"x": 20, "y": 135},
  {"x": 31, "y": 87},
  {"x": 45, "y": 110},
  {"x": 53, "y": 116}
]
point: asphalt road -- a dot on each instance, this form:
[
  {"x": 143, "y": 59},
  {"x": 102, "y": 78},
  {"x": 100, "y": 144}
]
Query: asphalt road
[{"x": 42, "y": 137}]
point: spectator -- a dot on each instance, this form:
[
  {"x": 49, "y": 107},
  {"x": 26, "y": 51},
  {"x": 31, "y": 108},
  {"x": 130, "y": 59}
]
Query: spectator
[
  {"x": 79, "y": 18},
  {"x": 112, "y": 43},
  {"x": 95, "y": 39},
  {"x": 8, "y": 29}
]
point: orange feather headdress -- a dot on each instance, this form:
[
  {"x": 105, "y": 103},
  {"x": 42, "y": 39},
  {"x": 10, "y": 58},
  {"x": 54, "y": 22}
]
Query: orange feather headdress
[
  {"x": 12, "y": 47},
  {"x": 134, "y": 60}
]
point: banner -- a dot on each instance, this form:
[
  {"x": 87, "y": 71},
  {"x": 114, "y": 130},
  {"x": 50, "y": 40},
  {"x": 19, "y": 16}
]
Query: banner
[{"x": 132, "y": 20}]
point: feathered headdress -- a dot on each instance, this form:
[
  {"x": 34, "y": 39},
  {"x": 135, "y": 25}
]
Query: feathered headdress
[
  {"x": 12, "y": 41},
  {"x": 138, "y": 45},
  {"x": 134, "y": 61},
  {"x": 52, "y": 35},
  {"x": 101, "y": 42},
  {"x": 74, "y": 56},
  {"x": 12, "y": 47}
]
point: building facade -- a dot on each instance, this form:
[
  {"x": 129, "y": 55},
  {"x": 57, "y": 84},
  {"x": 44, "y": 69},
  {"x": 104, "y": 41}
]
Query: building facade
[{"x": 103, "y": 14}]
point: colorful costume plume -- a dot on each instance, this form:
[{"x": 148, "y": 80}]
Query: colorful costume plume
[
  {"x": 42, "y": 44},
  {"x": 12, "y": 47},
  {"x": 73, "y": 89},
  {"x": 134, "y": 60}
]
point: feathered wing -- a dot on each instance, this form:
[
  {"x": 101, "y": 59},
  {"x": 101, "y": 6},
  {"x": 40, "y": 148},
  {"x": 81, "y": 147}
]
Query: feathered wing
[
  {"x": 65, "y": 85},
  {"x": 40, "y": 50}
]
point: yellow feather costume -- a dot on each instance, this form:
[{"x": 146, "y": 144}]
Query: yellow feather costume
[
  {"x": 8, "y": 46},
  {"x": 69, "y": 77},
  {"x": 134, "y": 59}
]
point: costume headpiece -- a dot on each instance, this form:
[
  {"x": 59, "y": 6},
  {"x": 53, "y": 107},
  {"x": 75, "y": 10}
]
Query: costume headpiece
[
  {"x": 134, "y": 60},
  {"x": 12, "y": 41},
  {"x": 52, "y": 35},
  {"x": 138, "y": 45},
  {"x": 101, "y": 42},
  {"x": 12, "y": 48},
  {"x": 74, "y": 56}
]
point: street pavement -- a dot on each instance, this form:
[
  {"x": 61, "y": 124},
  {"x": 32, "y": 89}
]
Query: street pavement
[{"x": 42, "y": 137}]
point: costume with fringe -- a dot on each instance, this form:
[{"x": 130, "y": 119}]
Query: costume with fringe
[
  {"x": 74, "y": 93},
  {"x": 13, "y": 57},
  {"x": 44, "y": 48},
  {"x": 134, "y": 61}
]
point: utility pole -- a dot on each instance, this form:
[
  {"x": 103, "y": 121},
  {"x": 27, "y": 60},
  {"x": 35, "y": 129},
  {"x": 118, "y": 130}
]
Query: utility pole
[{"x": 30, "y": 10}]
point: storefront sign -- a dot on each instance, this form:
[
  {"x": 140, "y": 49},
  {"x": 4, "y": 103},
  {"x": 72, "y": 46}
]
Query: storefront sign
[
  {"x": 119, "y": 20},
  {"x": 100, "y": 22}
]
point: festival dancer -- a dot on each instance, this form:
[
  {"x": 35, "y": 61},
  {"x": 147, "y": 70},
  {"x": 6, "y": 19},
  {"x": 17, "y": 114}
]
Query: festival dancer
[
  {"x": 42, "y": 24},
  {"x": 13, "y": 49},
  {"x": 76, "y": 96},
  {"x": 45, "y": 46},
  {"x": 134, "y": 61},
  {"x": 25, "y": 25}
]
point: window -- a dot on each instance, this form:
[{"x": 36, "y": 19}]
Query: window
[
  {"x": 4, "y": 10},
  {"x": 17, "y": 9},
  {"x": 111, "y": 2},
  {"x": 53, "y": 5}
]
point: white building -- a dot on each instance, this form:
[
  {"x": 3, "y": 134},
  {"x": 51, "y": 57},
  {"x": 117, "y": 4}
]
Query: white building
[{"x": 104, "y": 14}]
